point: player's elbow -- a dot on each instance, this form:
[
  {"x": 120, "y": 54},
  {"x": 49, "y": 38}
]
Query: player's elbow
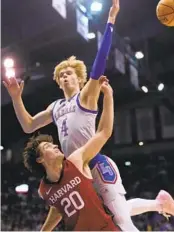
[
  {"x": 29, "y": 128},
  {"x": 107, "y": 134}
]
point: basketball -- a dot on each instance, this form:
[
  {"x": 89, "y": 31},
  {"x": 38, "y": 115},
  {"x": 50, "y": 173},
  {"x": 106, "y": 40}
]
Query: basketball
[{"x": 165, "y": 12}]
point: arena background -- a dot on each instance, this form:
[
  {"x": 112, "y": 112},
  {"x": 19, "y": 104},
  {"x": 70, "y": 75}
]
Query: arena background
[{"x": 37, "y": 36}]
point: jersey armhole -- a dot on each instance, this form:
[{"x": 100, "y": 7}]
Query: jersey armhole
[
  {"x": 84, "y": 109},
  {"x": 40, "y": 193},
  {"x": 53, "y": 110},
  {"x": 58, "y": 101}
]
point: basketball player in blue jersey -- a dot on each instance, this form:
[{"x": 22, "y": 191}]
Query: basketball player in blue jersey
[{"x": 75, "y": 117}]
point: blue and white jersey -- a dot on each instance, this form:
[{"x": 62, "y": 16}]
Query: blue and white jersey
[{"x": 75, "y": 124}]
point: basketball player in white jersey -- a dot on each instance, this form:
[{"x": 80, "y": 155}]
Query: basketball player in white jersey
[{"x": 75, "y": 117}]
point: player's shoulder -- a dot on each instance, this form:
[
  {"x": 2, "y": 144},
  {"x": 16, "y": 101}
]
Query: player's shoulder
[
  {"x": 55, "y": 103},
  {"x": 76, "y": 158},
  {"x": 41, "y": 188},
  {"x": 76, "y": 155}
]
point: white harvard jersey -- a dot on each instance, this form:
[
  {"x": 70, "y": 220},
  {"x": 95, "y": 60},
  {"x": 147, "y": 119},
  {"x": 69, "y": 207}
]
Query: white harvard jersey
[{"x": 75, "y": 124}]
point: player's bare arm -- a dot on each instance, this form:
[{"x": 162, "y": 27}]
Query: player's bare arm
[
  {"x": 90, "y": 92},
  {"x": 29, "y": 123},
  {"x": 53, "y": 218},
  {"x": 82, "y": 156},
  {"x": 106, "y": 89}
]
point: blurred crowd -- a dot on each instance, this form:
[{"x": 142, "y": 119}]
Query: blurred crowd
[{"x": 142, "y": 177}]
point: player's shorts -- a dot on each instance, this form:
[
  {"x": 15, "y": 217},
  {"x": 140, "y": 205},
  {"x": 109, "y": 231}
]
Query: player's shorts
[
  {"x": 108, "y": 185},
  {"x": 107, "y": 180}
]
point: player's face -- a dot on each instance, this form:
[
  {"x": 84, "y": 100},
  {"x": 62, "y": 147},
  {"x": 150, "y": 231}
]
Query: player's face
[
  {"x": 68, "y": 79},
  {"x": 49, "y": 152}
]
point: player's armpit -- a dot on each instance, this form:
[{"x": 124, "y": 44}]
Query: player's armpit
[
  {"x": 52, "y": 220},
  {"x": 81, "y": 157},
  {"x": 94, "y": 145},
  {"x": 89, "y": 95}
]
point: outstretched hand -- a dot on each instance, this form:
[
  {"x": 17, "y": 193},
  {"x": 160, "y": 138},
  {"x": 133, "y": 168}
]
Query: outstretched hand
[
  {"x": 114, "y": 10},
  {"x": 13, "y": 87},
  {"x": 106, "y": 89}
]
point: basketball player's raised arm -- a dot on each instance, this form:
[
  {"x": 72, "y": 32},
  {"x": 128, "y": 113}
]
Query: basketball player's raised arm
[
  {"x": 29, "y": 123},
  {"x": 104, "y": 132},
  {"x": 53, "y": 218},
  {"x": 92, "y": 88}
]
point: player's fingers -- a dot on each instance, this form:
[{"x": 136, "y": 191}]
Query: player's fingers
[
  {"x": 14, "y": 81},
  {"x": 107, "y": 80},
  {"x": 106, "y": 83},
  {"x": 5, "y": 84},
  {"x": 116, "y": 3},
  {"x": 103, "y": 79},
  {"x": 7, "y": 80},
  {"x": 105, "y": 87}
]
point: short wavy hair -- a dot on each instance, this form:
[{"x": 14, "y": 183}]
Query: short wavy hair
[
  {"x": 31, "y": 153},
  {"x": 79, "y": 67}
]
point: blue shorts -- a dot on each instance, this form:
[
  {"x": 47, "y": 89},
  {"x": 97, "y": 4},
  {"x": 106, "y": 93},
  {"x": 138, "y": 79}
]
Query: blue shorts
[{"x": 98, "y": 158}]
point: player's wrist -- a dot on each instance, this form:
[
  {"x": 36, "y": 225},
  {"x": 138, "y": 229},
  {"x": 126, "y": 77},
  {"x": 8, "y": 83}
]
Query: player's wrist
[
  {"x": 16, "y": 98},
  {"x": 111, "y": 20},
  {"x": 108, "y": 96}
]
